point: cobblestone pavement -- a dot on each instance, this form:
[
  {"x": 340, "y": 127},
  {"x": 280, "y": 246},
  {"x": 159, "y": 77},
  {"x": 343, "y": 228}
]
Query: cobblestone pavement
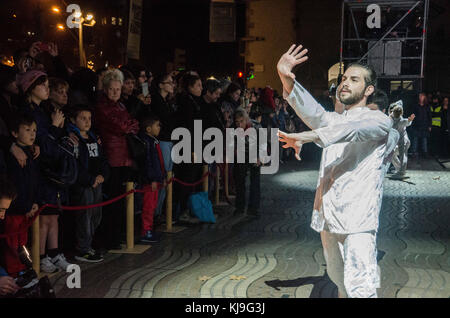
[{"x": 279, "y": 255}]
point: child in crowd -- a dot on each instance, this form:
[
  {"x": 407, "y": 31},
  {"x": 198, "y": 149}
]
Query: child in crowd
[
  {"x": 25, "y": 178},
  {"x": 58, "y": 93},
  {"x": 240, "y": 170},
  {"x": 93, "y": 169},
  {"x": 153, "y": 175},
  {"x": 34, "y": 86}
]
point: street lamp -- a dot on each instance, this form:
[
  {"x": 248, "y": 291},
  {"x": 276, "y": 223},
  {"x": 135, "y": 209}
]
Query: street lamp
[{"x": 81, "y": 22}]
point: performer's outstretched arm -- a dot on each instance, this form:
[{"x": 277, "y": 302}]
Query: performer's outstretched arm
[
  {"x": 306, "y": 107},
  {"x": 375, "y": 128}
]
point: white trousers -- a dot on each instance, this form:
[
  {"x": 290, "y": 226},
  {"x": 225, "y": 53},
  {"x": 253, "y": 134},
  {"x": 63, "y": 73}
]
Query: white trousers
[
  {"x": 400, "y": 158},
  {"x": 352, "y": 263}
]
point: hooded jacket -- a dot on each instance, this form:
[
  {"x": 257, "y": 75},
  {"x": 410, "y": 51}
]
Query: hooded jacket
[{"x": 86, "y": 173}]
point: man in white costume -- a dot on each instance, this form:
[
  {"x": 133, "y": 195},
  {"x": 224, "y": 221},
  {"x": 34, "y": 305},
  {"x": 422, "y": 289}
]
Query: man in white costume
[
  {"x": 400, "y": 158},
  {"x": 350, "y": 187}
]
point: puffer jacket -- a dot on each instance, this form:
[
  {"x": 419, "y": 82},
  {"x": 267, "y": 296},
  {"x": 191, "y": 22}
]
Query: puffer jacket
[{"x": 113, "y": 123}]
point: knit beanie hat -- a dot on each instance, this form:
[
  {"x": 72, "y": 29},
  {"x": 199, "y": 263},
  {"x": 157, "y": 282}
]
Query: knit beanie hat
[{"x": 27, "y": 79}]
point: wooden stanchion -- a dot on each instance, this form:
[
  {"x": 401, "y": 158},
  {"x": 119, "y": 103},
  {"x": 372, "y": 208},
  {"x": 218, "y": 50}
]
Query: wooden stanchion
[
  {"x": 217, "y": 186},
  {"x": 130, "y": 247},
  {"x": 169, "y": 195},
  {"x": 130, "y": 216},
  {"x": 169, "y": 203},
  {"x": 35, "y": 252},
  {"x": 227, "y": 194},
  {"x": 205, "y": 181}
]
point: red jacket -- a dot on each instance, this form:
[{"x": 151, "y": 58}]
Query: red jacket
[{"x": 113, "y": 123}]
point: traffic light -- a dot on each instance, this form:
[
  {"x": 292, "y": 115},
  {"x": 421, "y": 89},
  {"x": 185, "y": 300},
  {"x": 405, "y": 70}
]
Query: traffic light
[{"x": 249, "y": 71}]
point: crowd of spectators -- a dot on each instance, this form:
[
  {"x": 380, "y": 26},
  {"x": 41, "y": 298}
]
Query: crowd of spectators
[{"x": 74, "y": 138}]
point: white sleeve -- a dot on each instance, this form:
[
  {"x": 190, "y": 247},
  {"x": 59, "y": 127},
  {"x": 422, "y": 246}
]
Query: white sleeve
[
  {"x": 375, "y": 128},
  {"x": 307, "y": 108}
]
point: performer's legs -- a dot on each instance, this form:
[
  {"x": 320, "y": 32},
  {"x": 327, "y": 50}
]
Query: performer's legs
[
  {"x": 396, "y": 160},
  {"x": 405, "y": 156},
  {"x": 333, "y": 257},
  {"x": 401, "y": 155},
  {"x": 361, "y": 277}
]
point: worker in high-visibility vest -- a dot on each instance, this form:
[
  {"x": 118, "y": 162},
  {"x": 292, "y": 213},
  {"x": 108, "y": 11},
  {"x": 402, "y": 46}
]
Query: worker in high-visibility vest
[{"x": 436, "y": 127}]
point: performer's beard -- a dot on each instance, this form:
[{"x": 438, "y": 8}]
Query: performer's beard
[{"x": 351, "y": 99}]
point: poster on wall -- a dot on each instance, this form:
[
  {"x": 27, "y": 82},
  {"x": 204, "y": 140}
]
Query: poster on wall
[{"x": 134, "y": 30}]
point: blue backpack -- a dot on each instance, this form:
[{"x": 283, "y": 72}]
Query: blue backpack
[{"x": 201, "y": 206}]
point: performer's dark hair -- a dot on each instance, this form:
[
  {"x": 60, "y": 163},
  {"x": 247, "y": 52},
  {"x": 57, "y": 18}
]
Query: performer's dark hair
[
  {"x": 212, "y": 85},
  {"x": 371, "y": 77},
  {"x": 379, "y": 98}
]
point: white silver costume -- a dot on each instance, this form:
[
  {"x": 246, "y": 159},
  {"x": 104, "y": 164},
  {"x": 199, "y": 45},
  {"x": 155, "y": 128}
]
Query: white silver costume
[
  {"x": 391, "y": 148},
  {"x": 400, "y": 158},
  {"x": 349, "y": 191}
]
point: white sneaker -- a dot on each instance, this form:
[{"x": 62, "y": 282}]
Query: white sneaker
[
  {"x": 47, "y": 266},
  {"x": 60, "y": 262}
]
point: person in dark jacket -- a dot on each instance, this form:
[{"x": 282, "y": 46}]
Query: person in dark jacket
[
  {"x": 34, "y": 85},
  {"x": 161, "y": 108},
  {"x": 230, "y": 101},
  {"x": 9, "y": 92},
  {"x": 133, "y": 104},
  {"x": 25, "y": 178},
  {"x": 241, "y": 169},
  {"x": 445, "y": 124},
  {"x": 212, "y": 117},
  {"x": 187, "y": 112},
  {"x": 93, "y": 170},
  {"x": 421, "y": 127},
  {"x": 153, "y": 174},
  {"x": 113, "y": 123}
]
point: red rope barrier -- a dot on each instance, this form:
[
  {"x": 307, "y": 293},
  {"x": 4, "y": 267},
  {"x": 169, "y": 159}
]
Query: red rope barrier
[{"x": 85, "y": 207}]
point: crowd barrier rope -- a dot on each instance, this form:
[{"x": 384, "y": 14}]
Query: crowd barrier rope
[{"x": 34, "y": 221}]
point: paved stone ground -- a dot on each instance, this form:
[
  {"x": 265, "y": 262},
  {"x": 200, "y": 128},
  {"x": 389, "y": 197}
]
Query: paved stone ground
[{"x": 279, "y": 254}]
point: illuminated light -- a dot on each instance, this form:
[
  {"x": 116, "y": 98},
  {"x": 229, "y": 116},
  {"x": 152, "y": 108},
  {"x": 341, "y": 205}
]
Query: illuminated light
[
  {"x": 14, "y": 16},
  {"x": 56, "y": 10},
  {"x": 89, "y": 17},
  {"x": 60, "y": 27},
  {"x": 77, "y": 14},
  {"x": 240, "y": 74}
]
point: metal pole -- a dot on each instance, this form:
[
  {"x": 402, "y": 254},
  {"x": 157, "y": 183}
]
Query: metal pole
[
  {"x": 80, "y": 42},
  {"x": 424, "y": 37},
  {"x": 390, "y": 30},
  {"x": 356, "y": 28},
  {"x": 342, "y": 38}
]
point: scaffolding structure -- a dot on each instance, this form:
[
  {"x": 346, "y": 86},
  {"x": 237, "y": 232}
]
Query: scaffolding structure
[{"x": 396, "y": 47}]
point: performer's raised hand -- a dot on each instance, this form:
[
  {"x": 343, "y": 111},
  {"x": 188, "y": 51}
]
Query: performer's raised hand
[
  {"x": 411, "y": 118},
  {"x": 291, "y": 141},
  {"x": 293, "y": 57}
]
